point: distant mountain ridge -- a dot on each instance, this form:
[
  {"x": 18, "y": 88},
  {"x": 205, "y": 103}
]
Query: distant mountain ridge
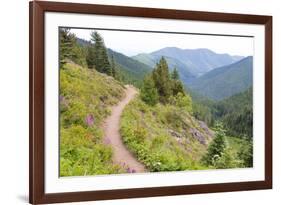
[
  {"x": 196, "y": 61},
  {"x": 225, "y": 81}
]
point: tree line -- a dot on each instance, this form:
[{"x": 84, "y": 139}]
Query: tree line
[{"x": 94, "y": 55}]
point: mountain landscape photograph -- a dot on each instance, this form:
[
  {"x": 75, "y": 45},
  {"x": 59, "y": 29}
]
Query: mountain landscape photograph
[{"x": 141, "y": 102}]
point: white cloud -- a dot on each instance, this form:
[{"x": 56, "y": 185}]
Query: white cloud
[{"x": 132, "y": 43}]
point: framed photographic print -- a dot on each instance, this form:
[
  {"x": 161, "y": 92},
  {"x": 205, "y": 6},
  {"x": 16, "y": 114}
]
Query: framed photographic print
[{"x": 139, "y": 102}]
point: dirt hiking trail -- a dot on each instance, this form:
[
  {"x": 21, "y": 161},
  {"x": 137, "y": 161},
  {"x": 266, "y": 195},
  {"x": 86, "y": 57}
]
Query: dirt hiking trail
[{"x": 121, "y": 155}]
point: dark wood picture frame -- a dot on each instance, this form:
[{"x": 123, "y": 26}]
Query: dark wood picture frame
[{"x": 37, "y": 10}]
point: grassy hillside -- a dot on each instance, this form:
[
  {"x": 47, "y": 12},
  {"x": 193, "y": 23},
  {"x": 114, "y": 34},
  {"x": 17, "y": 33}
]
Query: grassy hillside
[
  {"x": 85, "y": 96},
  {"x": 225, "y": 81},
  {"x": 164, "y": 137}
]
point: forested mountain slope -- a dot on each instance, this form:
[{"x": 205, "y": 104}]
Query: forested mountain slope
[
  {"x": 132, "y": 70},
  {"x": 225, "y": 81}
]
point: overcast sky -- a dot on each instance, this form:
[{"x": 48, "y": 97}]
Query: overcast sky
[{"x": 133, "y": 43}]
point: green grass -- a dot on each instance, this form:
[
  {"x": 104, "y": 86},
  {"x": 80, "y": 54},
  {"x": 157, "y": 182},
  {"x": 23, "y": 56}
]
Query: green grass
[
  {"x": 146, "y": 130},
  {"x": 85, "y": 94}
]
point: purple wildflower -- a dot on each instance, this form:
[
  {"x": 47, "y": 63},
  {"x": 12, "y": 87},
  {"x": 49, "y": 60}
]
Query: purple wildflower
[
  {"x": 107, "y": 141},
  {"x": 63, "y": 103},
  {"x": 90, "y": 120},
  {"x": 62, "y": 98},
  {"x": 129, "y": 170}
]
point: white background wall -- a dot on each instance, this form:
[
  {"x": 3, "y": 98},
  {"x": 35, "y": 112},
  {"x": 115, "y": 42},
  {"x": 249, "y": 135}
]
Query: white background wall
[{"x": 14, "y": 100}]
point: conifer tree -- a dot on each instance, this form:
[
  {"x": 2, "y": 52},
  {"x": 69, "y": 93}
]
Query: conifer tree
[
  {"x": 216, "y": 148},
  {"x": 177, "y": 87},
  {"x": 176, "y": 84},
  {"x": 113, "y": 67},
  {"x": 67, "y": 41},
  {"x": 90, "y": 56},
  {"x": 100, "y": 60},
  {"x": 162, "y": 81},
  {"x": 148, "y": 91},
  {"x": 175, "y": 74}
]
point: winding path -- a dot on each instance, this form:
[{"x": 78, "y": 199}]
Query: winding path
[{"x": 111, "y": 126}]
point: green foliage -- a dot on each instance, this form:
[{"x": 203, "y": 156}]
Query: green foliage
[
  {"x": 236, "y": 113},
  {"x": 162, "y": 81},
  {"x": 203, "y": 108},
  {"x": 90, "y": 58},
  {"x": 80, "y": 155},
  {"x": 183, "y": 101},
  {"x": 216, "y": 148},
  {"x": 226, "y": 160},
  {"x": 97, "y": 54},
  {"x": 70, "y": 49},
  {"x": 127, "y": 69},
  {"x": 66, "y": 43},
  {"x": 168, "y": 86},
  {"x": 175, "y": 74},
  {"x": 79, "y": 54},
  {"x": 113, "y": 68},
  {"x": 203, "y": 113},
  {"x": 148, "y": 91},
  {"x": 228, "y": 152},
  {"x": 177, "y": 87},
  {"x": 84, "y": 94},
  {"x": 144, "y": 131},
  {"x": 241, "y": 150},
  {"x": 130, "y": 71},
  {"x": 246, "y": 153}
]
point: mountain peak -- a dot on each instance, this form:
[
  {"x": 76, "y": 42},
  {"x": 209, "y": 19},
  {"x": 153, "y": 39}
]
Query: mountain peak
[{"x": 199, "y": 60}]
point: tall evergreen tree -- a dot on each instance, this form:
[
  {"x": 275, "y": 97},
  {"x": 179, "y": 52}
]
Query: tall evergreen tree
[
  {"x": 148, "y": 91},
  {"x": 175, "y": 74},
  {"x": 113, "y": 67},
  {"x": 70, "y": 49},
  {"x": 100, "y": 60},
  {"x": 176, "y": 84},
  {"x": 67, "y": 41},
  {"x": 162, "y": 81},
  {"x": 90, "y": 58}
]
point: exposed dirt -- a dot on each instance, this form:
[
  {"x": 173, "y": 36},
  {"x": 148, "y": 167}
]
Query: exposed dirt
[{"x": 121, "y": 155}]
